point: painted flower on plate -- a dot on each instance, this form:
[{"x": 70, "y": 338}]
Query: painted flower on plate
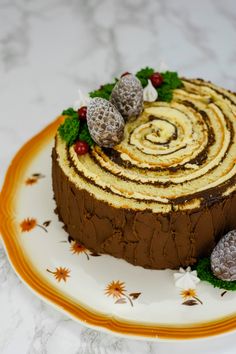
[
  {"x": 28, "y": 224},
  {"x": 77, "y": 248},
  {"x": 190, "y": 297},
  {"x": 30, "y": 181},
  {"x": 60, "y": 273},
  {"x": 186, "y": 294},
  {"x": 115, "y": 289}
]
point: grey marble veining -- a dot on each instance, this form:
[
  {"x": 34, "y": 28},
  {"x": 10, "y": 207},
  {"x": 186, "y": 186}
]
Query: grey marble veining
[{"x": 49, "y": 49}]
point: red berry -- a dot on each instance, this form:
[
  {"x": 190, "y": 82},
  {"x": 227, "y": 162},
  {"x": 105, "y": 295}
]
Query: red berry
[
  {"x": 81, "y": 147},
  {"x": 82, "y": 113},
  {"x": 156, "y": 79},
  {"x": 126, "y": 73}
]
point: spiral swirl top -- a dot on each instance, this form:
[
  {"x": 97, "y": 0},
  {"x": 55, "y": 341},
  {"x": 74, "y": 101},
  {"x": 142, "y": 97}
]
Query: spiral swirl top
[{"x": 175, "y": 156}]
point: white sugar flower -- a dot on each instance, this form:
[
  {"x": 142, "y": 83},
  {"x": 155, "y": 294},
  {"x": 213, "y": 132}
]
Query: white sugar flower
[
  {"x": 82, "y": 100},
  {"x": 186, "y": 279},
  {"x": 150, "y": 93}
]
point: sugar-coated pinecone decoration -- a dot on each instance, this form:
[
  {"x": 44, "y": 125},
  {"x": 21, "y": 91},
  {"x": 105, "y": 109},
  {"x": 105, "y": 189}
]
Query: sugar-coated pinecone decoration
[
  {"x": 223, "y": 257},
  {"x": 127, "y": 96},
  {"x": 105, "y": 123}
]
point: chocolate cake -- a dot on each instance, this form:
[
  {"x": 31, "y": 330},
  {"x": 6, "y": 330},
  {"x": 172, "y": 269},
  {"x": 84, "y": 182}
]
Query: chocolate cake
[{"x": 163, "y": 196}]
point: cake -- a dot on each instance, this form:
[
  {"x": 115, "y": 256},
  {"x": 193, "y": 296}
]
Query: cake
[{"x": 165, "y": 194}]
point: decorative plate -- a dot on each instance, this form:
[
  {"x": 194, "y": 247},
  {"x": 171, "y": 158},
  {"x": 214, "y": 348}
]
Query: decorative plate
[{"x": 98, "y": 290}]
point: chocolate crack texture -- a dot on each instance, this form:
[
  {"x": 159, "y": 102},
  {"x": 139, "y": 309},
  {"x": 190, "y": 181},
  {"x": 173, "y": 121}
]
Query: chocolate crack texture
[{"x": 165, "y": 195}]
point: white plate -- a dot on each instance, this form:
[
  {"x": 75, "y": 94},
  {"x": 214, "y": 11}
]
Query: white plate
[{"x": 147, "y": 303}]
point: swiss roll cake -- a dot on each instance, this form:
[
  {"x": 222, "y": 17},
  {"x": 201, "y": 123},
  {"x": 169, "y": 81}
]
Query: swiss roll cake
[{"x": 163, "y": 195}]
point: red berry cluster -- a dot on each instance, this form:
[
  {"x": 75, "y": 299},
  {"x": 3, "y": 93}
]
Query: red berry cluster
[
  {"x": 156, "y": 79},
  {"x": 82, "y": 113},
  {"x": 82, "y": 147},
  {"x": 124, "y": 74}
]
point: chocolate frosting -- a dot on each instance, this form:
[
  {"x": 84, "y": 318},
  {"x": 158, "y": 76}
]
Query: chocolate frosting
[{"x": 144, "y": 238}]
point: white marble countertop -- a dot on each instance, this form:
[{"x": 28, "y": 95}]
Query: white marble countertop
[{"x": 49, "y": 49}]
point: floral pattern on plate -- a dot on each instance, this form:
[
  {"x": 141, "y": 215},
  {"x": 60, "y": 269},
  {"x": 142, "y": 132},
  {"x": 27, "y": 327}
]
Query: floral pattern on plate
[
  {"x": 117, "y": 290},
  {"x": 29, "y": 224},
  {"x": 190, "y": 297},
  {"x": 90, "y": 291},
  {"x": 33, "y": 179},
  {"x": 60, "y": 273}
]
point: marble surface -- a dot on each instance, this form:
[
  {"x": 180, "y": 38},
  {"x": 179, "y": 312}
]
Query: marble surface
[{"x": 49, "y": 49}]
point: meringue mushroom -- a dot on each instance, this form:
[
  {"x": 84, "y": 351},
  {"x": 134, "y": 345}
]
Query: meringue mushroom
[
  {"x": 82, "y": 100},
  {"x": 186, "y": 279},
  {"x": 150, "y": 94}
]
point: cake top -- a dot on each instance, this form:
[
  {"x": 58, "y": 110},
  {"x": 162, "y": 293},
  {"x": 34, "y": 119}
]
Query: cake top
[{"x": 152, "y": 141}]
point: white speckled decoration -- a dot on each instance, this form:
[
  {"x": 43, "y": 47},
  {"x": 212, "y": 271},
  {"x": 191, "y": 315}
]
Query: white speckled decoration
[{"x": 49, "y": 49}]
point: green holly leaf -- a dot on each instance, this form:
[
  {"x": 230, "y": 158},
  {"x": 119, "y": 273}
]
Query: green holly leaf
[
  {"x": 144, "y": 74},
  {"x": 84, "y": 135},
  {"x": 70, "y": 112},
  {"x": 171, "y": 79},
  {"x": 69, "y": 130},
  {"x": 73, "y": 129},
  {"x": 205, "y": 273},
  {"x": 104, "y": 91},
  {"x": 165, "y": 93}
]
